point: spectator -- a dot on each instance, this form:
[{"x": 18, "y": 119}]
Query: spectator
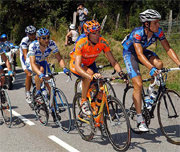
[
  {"x": 71, "y": 36},
  {"x": 82, "y": 12}
]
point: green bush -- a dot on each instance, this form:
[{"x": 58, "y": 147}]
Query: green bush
[{"x": 120, "y": 34}]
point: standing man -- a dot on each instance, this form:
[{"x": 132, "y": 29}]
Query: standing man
[
  {"x": 24, "y": 47},
  {"x": 82, "y": 12}
]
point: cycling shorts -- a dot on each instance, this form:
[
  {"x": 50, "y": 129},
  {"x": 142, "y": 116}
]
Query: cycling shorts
[
  {"x": 44, "y": 64},
  {"x": 92, "y": 67},
  {"x": 132, "y": 62}
]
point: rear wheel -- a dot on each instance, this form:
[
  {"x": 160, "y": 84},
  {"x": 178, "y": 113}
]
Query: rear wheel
[
  {"x": 83, "y": 122},
  {"x": 169, "y": 115},
  {"x": 6, "y": 108},
  {"x": 62, "y": 110},
  {"x": 117, "y": 124}
]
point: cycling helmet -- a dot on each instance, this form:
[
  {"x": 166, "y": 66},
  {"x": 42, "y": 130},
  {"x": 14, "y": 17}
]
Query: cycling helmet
[
  {"x": 91, "y": 26},
  {"x": 30, "y": 29},
  {"x": 149, "y": 15},
  {"x": 3, "y": 36},
  {"x": 42, "y": 32},
  {"x": 72, "y": 26}
]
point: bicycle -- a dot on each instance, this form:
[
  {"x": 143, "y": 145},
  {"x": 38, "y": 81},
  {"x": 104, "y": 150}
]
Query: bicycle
[
  {"x": 57, "y": 104},
  {"x": 110, "y": 115},
  {"x": 5, "y": 106},
  {"x": 78, "y": 83},
  {"x": 168, "y": 109}
]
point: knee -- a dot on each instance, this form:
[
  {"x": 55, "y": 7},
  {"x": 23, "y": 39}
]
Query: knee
[
  {"x": 138, "y": 86},
  {"x": 42, "y": 69}
]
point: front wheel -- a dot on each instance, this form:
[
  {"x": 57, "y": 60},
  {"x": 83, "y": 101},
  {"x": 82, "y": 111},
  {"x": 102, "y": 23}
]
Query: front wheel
[
  {"x": 169, "y": 115},
  {"x": 62, "y": 110},
  {"x": 83, "y": 122},
  {"x": 6, "y": 108},
  {"x": 117, "y": 124}
]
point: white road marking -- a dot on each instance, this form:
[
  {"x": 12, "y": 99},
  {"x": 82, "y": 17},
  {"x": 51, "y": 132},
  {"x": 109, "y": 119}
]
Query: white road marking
[
  {"x": 23, "y": 118},
  {"x": 62, "y": 143}
]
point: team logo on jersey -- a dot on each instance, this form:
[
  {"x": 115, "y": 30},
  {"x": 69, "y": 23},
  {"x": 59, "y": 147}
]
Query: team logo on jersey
[
  {"x": 138, "y": 37},
  {"x": 161, "y": 34}
]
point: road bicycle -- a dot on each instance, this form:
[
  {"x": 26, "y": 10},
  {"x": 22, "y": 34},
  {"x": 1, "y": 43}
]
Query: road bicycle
[
  {"x": 5, "y": 106},
  {"x": 78, "y": 83},
  {"x": 110, "y": 116},
  {"x": 168, "y": 107},
  {"x": 56, "y": 103}
]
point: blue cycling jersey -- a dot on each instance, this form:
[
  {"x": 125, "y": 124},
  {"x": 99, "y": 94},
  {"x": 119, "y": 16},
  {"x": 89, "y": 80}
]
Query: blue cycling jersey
[{"x": 138, "y": 36}]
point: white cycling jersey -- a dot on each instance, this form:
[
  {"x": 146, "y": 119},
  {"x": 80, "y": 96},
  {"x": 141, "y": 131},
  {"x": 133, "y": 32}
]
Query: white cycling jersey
[{"x": 25, "y": 42}]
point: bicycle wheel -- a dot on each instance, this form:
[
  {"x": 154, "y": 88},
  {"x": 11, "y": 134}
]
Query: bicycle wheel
[
  {"x": 62, "y": 110},
  {"x": 169, "y": 115},
  {"x": 6, "y": 108},
  {"x": 78, "y": 86},
  {"x": 41, "y": 110},
  {"x": 83, "y": 122},
  {"x": 130, "y": 108},
  {"x": 117, "y": 124},
  {"x": 110, "y": 89}
]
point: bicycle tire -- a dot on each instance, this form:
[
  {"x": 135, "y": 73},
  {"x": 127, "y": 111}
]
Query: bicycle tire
[
  {"x": 169, "y": 120},
  {"x": 6, "y": 109},
  {"x": 84, "y": 129},
  {"x": 41, "y": 110},
  {"x": 130, "y": 109},
  {"x": 118, "y": 133},
  {"x": 62, "y": 110},
  {"x": 78, "y": 87}
]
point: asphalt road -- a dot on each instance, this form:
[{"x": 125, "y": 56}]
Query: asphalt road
[{"x": 28, "y": 135}]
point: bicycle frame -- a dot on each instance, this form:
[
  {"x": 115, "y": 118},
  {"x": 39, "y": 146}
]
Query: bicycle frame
[{"x": 99, "y": 118}]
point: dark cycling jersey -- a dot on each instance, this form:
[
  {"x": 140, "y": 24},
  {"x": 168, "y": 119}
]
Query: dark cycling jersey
[{"x": 138, "y": 36}]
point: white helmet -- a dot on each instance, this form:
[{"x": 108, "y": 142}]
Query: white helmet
[
  {"x": 149, "y": 15},
  {"x": 72, "y": 26},
  {"x": 30, "y": 29}
]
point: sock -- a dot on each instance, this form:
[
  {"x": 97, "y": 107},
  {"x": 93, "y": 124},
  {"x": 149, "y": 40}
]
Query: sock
[
  {"x": 139, "y": 118},
  {"x": 27, "y": 93}
]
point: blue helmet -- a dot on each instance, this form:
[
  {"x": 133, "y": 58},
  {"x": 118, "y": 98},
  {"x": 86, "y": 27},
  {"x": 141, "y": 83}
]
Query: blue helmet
[
  {"x": 42, "y": 32},
  {"x": 3, "y": 36},
  {"x": 30, "y": 29}
]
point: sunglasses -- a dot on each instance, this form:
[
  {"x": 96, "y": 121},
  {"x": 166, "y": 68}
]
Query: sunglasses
[{"x": 44, "y": 38}]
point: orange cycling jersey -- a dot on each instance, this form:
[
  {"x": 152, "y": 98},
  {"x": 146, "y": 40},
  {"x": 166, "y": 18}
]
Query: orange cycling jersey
[{"x": 89, "y": 53}]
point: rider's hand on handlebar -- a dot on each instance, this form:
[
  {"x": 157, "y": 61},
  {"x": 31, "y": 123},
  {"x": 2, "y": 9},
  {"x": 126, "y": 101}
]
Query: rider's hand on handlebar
[
  {"x": 10, "y": 72},
  {"x": 123, "y": 76},
  {"x": 66, "y": 71},
  {"x": 154, "y": 72},
  {"x": 41, "y": 76},
  {"x": 96, "y": 76}
]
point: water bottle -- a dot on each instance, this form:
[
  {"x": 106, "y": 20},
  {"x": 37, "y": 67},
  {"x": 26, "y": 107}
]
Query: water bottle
[
  {"x": 148, "y": 101},
  {"x": 153, "y": 96}
]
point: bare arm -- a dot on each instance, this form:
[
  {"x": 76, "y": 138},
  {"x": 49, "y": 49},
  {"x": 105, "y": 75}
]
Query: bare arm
[
  {"x": 79, "y": 69},
  {"x": 170, "y": 51},
  {"x": 141, "y": 56},
  {"x": 4, "y": 57},
  {"x": 25, "y": 53},
  {"x": 113, "y": 62},
  {"x": 34, "y": 65},
  {"x": 60, "y": 60},
  {"x": 68, "y": 35}
]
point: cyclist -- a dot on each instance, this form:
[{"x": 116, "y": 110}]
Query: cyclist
[
  {"x": 24, "y": 48},
  {"x": 82, "y": 62},
  {"x": 3, "y": 48},
  {"x": 71, "y": 36},
  {"x": 82, "y": 12},
  {"x": 135, "y": 51},
  {"x": 36, "y": 60}
]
